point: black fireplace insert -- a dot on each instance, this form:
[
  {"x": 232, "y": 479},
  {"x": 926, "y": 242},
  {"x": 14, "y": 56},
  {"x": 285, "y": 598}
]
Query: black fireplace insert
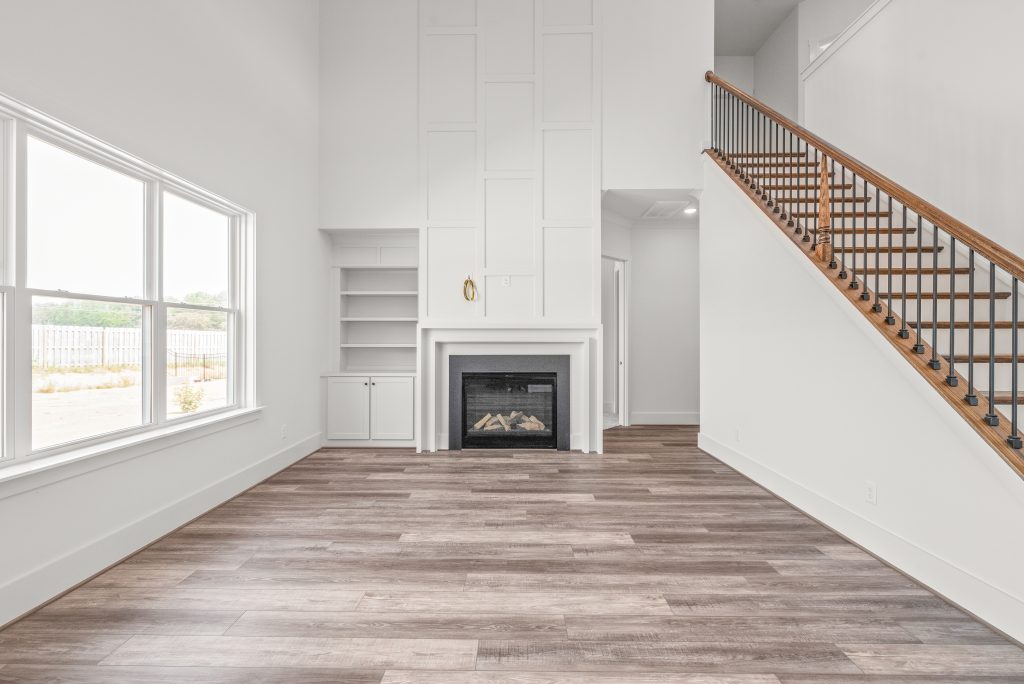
[{"x": 509, "y": 402}]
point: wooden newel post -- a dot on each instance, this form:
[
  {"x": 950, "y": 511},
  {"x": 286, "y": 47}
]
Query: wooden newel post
[{"x": 824, "y": 241}]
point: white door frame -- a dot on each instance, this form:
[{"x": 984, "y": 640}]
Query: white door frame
[
  {"x": 621, "y": 270},
  {"x": 620, "y": 284}
]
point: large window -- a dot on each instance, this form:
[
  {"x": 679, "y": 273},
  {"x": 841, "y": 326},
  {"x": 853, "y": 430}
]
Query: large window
[{"x": 123, "y": 300}]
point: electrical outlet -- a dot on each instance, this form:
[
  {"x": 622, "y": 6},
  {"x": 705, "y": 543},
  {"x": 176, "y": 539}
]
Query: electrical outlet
[
  {"x": 284, "y": 431},
  {"x": 871, "y": 492},
  {"x": 506, "y": 281}
]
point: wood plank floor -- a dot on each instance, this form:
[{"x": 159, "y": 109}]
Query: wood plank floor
[{"x": 651, "y": 564}]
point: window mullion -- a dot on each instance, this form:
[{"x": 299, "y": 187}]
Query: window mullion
[
  {"x": 19, "y": 318},
  {"x": 158, "y": 319}
]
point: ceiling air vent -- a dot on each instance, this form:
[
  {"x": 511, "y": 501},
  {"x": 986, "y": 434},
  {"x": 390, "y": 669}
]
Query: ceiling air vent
[{"x": 666, "y": 209}]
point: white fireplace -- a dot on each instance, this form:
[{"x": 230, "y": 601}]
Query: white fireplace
[{"x": 580, "y": 344}]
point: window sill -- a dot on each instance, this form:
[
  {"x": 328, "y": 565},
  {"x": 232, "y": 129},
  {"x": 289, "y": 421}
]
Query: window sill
[{"x": 30, "y": 473}]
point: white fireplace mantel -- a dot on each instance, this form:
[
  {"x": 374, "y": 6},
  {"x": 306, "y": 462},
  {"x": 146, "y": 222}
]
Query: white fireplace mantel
[{"x": 581, "y": 343}]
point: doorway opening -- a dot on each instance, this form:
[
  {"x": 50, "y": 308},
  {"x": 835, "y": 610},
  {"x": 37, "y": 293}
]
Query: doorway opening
[{"x": 614, "y": 318}]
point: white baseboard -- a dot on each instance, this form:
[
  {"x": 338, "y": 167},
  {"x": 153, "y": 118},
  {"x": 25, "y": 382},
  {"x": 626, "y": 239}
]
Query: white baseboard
[
  {"x": 973, "y": 594},
  {"x": 32, "y": 589},
  {"x": 664, "y": 418}
]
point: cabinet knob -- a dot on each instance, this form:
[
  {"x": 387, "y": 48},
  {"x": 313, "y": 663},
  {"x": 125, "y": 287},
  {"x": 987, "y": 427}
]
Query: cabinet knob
[{"x": 365, "y": 384}]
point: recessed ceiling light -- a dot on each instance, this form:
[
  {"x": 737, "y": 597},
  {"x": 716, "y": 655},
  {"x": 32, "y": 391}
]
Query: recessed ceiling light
[{"x": 690, "y": 210}]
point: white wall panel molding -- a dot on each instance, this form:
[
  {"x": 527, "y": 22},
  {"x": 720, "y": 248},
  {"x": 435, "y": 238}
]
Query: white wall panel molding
[
  {"x": 568, "y": 12},
  {"x": 521, "y": 220},
  {"x": 436, "y": 13},
  {"x": 448, "y": 64},
  {"x": 568, "y": 64},
  {"x": 507, "y": 27}
]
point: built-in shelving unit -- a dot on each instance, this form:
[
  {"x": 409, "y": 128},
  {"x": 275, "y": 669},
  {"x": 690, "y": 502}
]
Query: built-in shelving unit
[{"x": 375, "y": 302}]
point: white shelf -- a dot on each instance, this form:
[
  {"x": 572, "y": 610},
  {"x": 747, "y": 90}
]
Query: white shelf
[
  {"x": 379, "y": 293},
  {"x": 378, "y": 267},
  {"x": 375, "y": 305},
  {"x": 357, "y": 372},
  {"x": 367, "y": 319},
  {"x": 369, "y": 345}
]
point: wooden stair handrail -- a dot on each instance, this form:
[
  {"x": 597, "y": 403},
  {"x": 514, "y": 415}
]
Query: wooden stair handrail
[{"x": 990, "y": 249}]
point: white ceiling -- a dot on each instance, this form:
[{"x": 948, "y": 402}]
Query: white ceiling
[
  {"x": 631, "y": 205},
  {"x": 742, "y": 26}
]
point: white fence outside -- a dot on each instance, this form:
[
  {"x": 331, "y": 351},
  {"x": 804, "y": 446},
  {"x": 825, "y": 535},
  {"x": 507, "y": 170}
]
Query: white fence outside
[{"x": 74, "y": 346}]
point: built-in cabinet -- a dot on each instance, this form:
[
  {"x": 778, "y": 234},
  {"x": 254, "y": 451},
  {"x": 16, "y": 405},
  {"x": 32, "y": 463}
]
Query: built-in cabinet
[
  {"x": 371, "y": 384},
  {"x": 371, "y": 408}
]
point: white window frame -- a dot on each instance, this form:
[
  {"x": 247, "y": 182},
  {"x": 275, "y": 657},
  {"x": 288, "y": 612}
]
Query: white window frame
[{"x": 17, "y": 123}]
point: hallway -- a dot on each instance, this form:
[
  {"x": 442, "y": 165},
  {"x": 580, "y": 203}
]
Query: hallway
[{"x": 381, "y": 565}]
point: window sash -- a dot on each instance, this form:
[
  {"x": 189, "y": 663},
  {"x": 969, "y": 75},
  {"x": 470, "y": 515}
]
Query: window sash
[{"x": 17, "y": 122}]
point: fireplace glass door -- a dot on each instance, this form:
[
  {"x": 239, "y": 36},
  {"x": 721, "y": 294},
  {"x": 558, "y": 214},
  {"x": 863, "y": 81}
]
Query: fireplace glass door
[{"x": 509, "y": 410}]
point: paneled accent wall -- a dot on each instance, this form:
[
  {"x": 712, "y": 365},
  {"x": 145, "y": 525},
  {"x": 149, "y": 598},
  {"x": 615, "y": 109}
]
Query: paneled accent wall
[{"x": 510, "y": 160}]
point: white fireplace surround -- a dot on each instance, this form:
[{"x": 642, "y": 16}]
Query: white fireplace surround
[{"x": 581, "y": 344}]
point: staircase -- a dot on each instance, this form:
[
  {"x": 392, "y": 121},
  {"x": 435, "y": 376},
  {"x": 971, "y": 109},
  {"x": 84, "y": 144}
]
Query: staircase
[{"x": 942, "y": 293}]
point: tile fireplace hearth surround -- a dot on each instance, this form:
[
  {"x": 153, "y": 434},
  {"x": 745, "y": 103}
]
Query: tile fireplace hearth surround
[
  {"x": 441, "y": 342},
  {"x": 508, "y": 402}
]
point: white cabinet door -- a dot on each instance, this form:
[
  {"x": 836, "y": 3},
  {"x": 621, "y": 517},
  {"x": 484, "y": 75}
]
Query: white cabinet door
[
  {"x": 392, "y": 407},
  {"x": 348, "y": 408}
]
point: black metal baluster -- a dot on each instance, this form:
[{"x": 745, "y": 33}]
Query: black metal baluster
[
  {"x": 877, "y": 306},
  {"x": 889, "y": 319},
  {"x": 971, "y": 398},
  {"x": 776, "y": 176},
  {"x": 730, "y": 129},
  {"x": 991, "y": 418},
  {"x": 805, "y": 199},
  {"x": 783, "y": 172},
  {"x": 815, "y": 194},
  {"x": 744, "y": 147},
  {"x": 865, "y": 295},
  {"x": 766, "y": 175},
  {"x": 842, "y": 255},
  {"x": 904, "y": 333},
  {"x": 790, "y": 222},
  {"x": 752, "y": 147},
  {"x": 918, "y": 347},
  {"x": 933, "y": 362},
  {"x": 1014, "y": 439},
  {"x": 832, "y": 215},
  {"x": 853, "y": 232},
  {"x": 951, "y": 378}
]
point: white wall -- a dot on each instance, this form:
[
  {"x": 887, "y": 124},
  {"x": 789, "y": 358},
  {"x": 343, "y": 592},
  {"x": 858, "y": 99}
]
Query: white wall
[
  {"x": 776, "y": 68},
  {"x": 949, "y": 511},
  {"x": 223, "y": 94},
  {"x": 736, "y": 70},
  {"x": 819, "y": 20},
  {"x": 369, "y": 161},
  {"x": 887, "y": 101},
  {"x": 664, "y": 349},
  {"x": 823, "y": 19},
  {"x": 655, "y": 99}
]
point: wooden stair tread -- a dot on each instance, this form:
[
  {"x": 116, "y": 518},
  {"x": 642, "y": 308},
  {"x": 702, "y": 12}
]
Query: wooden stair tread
[
  {"x": 798, "y": 174},
  {"x": 978, "y": 358},
  {"x": 965, "y": 325},
  {"x": 767, "y": 164},
  {"x": 945, "y": 295},
  {"x": 882, "y": 213},
  {"x": 768, "y": 155},
  {"x": 925, "y": 270},
  {"x": 871, "y": 231},
  {"x": 909, "y": 249},
  {"x": 802, "y": 187},
  {"x": 838, "y": 200},
  {"x": 1004, "y": 397}
]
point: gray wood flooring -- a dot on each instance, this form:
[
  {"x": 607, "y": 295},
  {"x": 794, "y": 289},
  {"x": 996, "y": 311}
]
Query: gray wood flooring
[{"x": 651, "y": 564}]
